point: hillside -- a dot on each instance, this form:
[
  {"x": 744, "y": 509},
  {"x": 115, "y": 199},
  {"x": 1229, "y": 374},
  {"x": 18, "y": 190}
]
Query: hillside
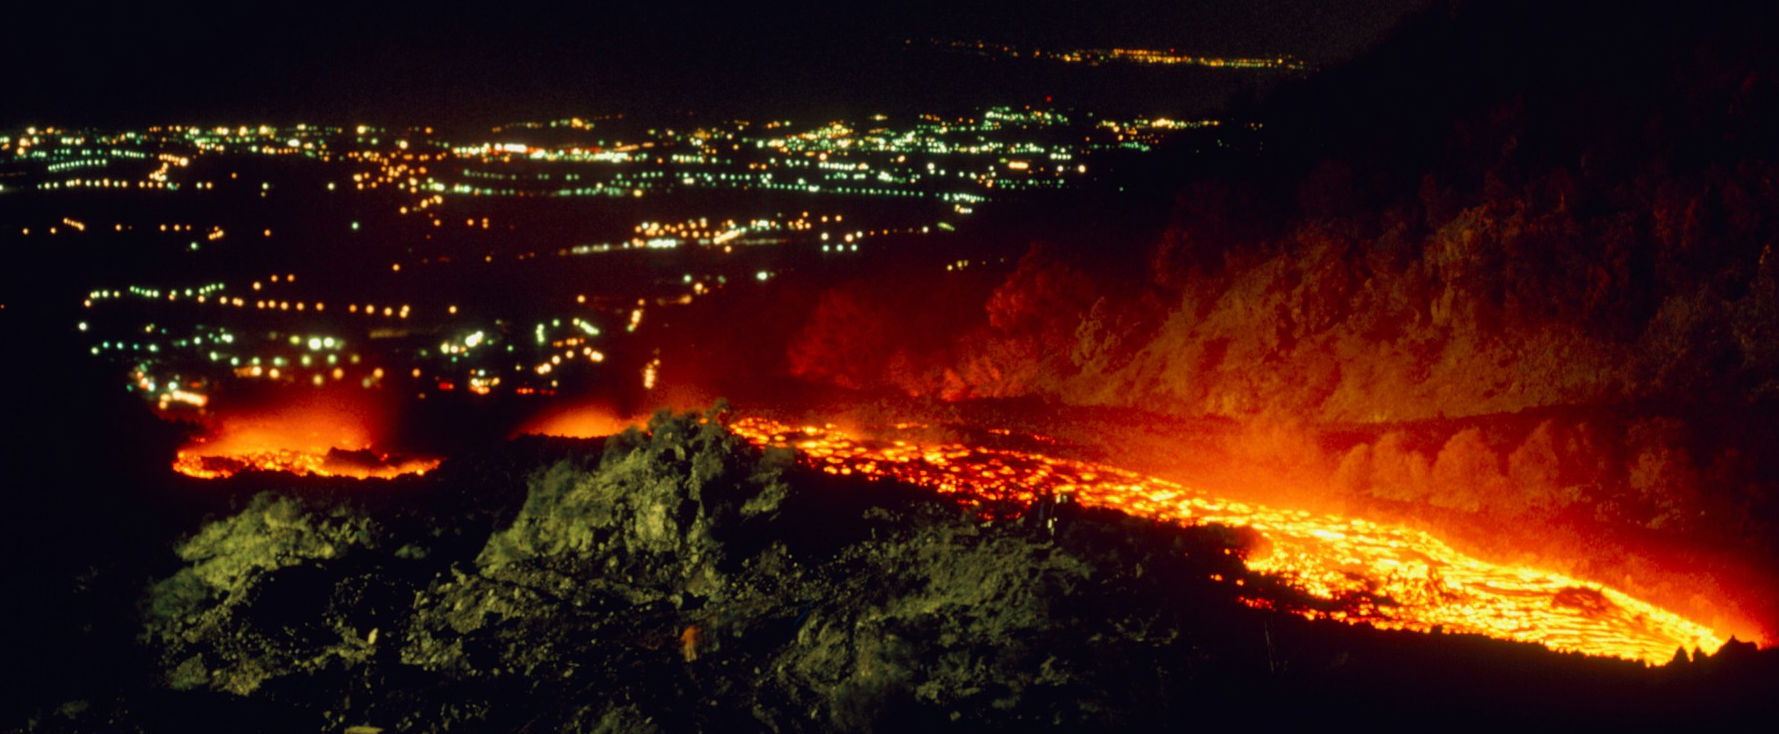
[{"x": 679, "y": 580}]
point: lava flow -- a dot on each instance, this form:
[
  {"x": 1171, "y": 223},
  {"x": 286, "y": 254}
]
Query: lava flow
[
  {"x": 360, "y": 464},
  {"x": 319, "y": 438},
  {"x": 1387, "y": 576},
  {"x": 586, "y": 421}
]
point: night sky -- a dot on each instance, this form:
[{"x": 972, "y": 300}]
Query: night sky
[{"x": 134, "y": 63}]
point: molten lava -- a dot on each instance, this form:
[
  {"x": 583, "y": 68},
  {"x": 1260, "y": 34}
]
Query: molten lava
[
  {"x": 319, "y": 438},
  {"x": 331, "y": 463},
  {"x": 580, "y": 422},
  {"x": 1387, "y": 576}
]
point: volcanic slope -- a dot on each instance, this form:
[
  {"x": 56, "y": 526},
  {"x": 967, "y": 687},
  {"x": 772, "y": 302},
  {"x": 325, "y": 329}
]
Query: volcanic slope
[{"x": 680, "y": 579}]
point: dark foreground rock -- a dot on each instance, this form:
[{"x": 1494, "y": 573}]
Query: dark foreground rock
[{"x": 680, "y": 580}]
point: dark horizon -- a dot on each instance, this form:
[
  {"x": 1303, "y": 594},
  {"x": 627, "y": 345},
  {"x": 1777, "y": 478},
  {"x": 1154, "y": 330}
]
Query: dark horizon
[{"x": 208, "y": 64}]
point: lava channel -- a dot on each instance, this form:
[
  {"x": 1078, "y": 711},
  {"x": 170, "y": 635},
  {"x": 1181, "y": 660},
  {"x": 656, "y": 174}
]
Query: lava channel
[{"x": 1409, "y": 579}]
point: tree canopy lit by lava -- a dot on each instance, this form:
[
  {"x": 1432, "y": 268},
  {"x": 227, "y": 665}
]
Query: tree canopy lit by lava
[{"x": 1387, "y": 576}]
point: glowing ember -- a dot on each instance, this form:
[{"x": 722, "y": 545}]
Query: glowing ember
[{"x": 1387, "y": 576}]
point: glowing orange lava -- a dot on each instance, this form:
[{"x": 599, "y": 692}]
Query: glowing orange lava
[
  {"x": 301, "y": 463},
  {"x": 315, "y": 438},
  {"x": 1387, "y": 576},
  {"x": 582, "y": 422}
]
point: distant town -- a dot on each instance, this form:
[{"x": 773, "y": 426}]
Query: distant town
[
  {"x": 1104, "y": 56},
  {"x": 380, "y": 258}
]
